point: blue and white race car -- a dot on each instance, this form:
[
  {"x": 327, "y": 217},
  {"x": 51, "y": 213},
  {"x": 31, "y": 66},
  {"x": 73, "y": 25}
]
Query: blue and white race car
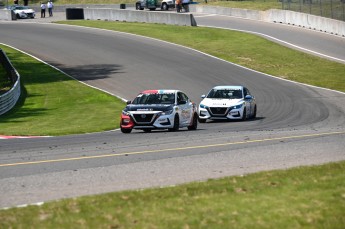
[
  {"x": 159, "y": 109},
  {"x": 227, "y": 102}
]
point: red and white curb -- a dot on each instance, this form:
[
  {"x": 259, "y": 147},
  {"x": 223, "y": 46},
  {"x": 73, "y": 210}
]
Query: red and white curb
[{"x": 16, "y": 137}]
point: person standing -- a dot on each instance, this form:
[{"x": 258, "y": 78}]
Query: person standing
[
  {"x": 43, "y": 10},
  {"x": 50, "y": 8},
  {"x": 185, "y": 5},
  {"x": 178, "y": 5}
]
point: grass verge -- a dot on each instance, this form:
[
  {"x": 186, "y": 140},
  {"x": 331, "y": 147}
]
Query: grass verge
[
  {"x": 305, "y": 197},
  {"x": 241, "y": 48},
  {"x": 54, "y": 104},
  {"x": 5, "y": 84}
]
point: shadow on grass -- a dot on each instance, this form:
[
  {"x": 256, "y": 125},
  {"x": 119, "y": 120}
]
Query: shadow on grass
[
  {"x": 91, "y": 72},
  {"x": 37, "y": 72},
  {"x": 18, "y": 112}
]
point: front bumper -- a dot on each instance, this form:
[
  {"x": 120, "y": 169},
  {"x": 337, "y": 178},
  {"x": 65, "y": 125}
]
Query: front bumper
[
  {"x": 147, "y": 121},
  {"x": 220, "y": 113}
]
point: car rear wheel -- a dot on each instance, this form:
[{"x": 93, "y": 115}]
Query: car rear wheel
[
  {"x": 126, "y": 131},
  {"x": 194, "y": 125},
  {"x": 176, "y": 124}
]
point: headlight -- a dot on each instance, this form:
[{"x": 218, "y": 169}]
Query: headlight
[
  {"x": 203, "y": 106},
  {"x": 125, "y": 113},
  {"x": 237, "y": 106},
  {"x": 168, "y": 112}
]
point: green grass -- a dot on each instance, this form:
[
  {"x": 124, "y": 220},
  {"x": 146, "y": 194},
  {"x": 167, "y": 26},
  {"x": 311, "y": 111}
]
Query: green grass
[
  {"x": 54, "y": 104},
  {"x": 5, "y": 83},
  {"x": 305, "y": 197},
  {"x": 241, "y": 48}
]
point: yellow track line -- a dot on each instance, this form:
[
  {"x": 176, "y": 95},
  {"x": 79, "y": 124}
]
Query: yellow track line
[{"x": 172, "y": 149}]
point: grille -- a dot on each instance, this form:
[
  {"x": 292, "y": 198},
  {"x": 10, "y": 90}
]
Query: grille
[
  {"x": 219, "y": 110},
  {"x": 143, "y": 118}
]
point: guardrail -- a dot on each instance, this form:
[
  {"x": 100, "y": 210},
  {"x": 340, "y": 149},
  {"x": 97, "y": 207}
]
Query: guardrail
[{"x": 10, "y": 98}]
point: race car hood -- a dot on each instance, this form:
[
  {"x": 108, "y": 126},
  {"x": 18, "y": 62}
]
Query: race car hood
[
  {"x": 220, "y": 102},
  {"x": 148, "y": 108},
  {"x": 27, "y": 11}
]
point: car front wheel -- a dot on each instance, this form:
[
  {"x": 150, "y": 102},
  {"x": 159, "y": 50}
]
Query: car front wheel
[
  {"x": 202, "y": 120},
  {"x": 254, "y": 113},
  {"x": 126, "y": 131},
  {"x": 176, "y": 124},
  {"x": 194, "y": 125},
  {"x": 244, "y": 117}
]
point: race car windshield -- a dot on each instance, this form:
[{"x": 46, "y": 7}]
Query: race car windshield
[
  {"x": 225, "y": 94},
  {"x": 154, "y": 99}
]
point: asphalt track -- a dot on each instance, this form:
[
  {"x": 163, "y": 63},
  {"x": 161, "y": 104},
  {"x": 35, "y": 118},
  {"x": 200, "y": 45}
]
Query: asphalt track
[{"x": 296, "y": 124}]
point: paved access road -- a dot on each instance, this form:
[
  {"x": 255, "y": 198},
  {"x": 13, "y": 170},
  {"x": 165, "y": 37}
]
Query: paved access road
[{"x": 296, "y": 124}]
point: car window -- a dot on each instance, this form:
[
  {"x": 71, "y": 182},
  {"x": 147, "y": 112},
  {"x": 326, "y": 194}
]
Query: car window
[
  {"x": 245, "y": 91},
  {"x": 154, "y": 99},
  {"x": 225, "y": 94},
  {"x": 181, "y": 97}
]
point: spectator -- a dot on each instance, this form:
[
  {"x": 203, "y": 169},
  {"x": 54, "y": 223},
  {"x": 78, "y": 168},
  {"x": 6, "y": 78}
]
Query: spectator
[
  {"x": 43, "y": 9},
  {"x": 185, "y": 5},
  {"x": 50, "y": 8},
  {"x": 178, "y": 6}
]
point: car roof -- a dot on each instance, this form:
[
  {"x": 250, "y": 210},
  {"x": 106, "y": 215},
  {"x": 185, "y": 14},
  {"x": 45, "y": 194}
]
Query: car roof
[
  {"x": 160, "y": 91},
  {"x": 228, "y": 87}
]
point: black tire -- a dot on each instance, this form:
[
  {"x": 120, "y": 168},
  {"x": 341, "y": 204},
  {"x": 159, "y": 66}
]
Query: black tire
[
  {"x": 176, "y": 126},
  {"x": 147, "y": 130},
  {"x": 137, "y": 6},
  {"x": 202, "y": 120},
  {"x": 126, "y": 131},
  {"x": 165, "y": 7},
  {"x": 244, "y": 117},
  {"x": 194, "y": 125},
  {"x": 254, "y": 114}
]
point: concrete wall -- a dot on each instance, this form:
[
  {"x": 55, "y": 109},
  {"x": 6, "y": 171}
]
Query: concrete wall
[
  {"x": 59, "y": 8},
  {"x": 307, "y": 21},
  {"x": 139, "y": 16},
  {"x": 279, "y": 16}
]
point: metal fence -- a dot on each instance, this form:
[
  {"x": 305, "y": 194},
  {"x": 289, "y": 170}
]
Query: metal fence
[
  {"x": 10, "y": 98},
  {"x": 334, "y": 9}
]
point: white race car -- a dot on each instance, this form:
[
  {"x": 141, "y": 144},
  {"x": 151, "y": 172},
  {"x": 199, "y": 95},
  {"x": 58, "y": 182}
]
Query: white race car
[
  {"x": 159, "y": 109},
  {"x": 227, "y": 102},
  {"x": 22, "y": 11}
]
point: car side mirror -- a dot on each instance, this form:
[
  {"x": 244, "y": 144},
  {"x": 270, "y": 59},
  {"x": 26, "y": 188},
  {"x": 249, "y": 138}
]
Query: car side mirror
[
  {"x": 248, "y": 97},
  {"x": 203, "y": 96},
  {"x": 128, "y": 102}
]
